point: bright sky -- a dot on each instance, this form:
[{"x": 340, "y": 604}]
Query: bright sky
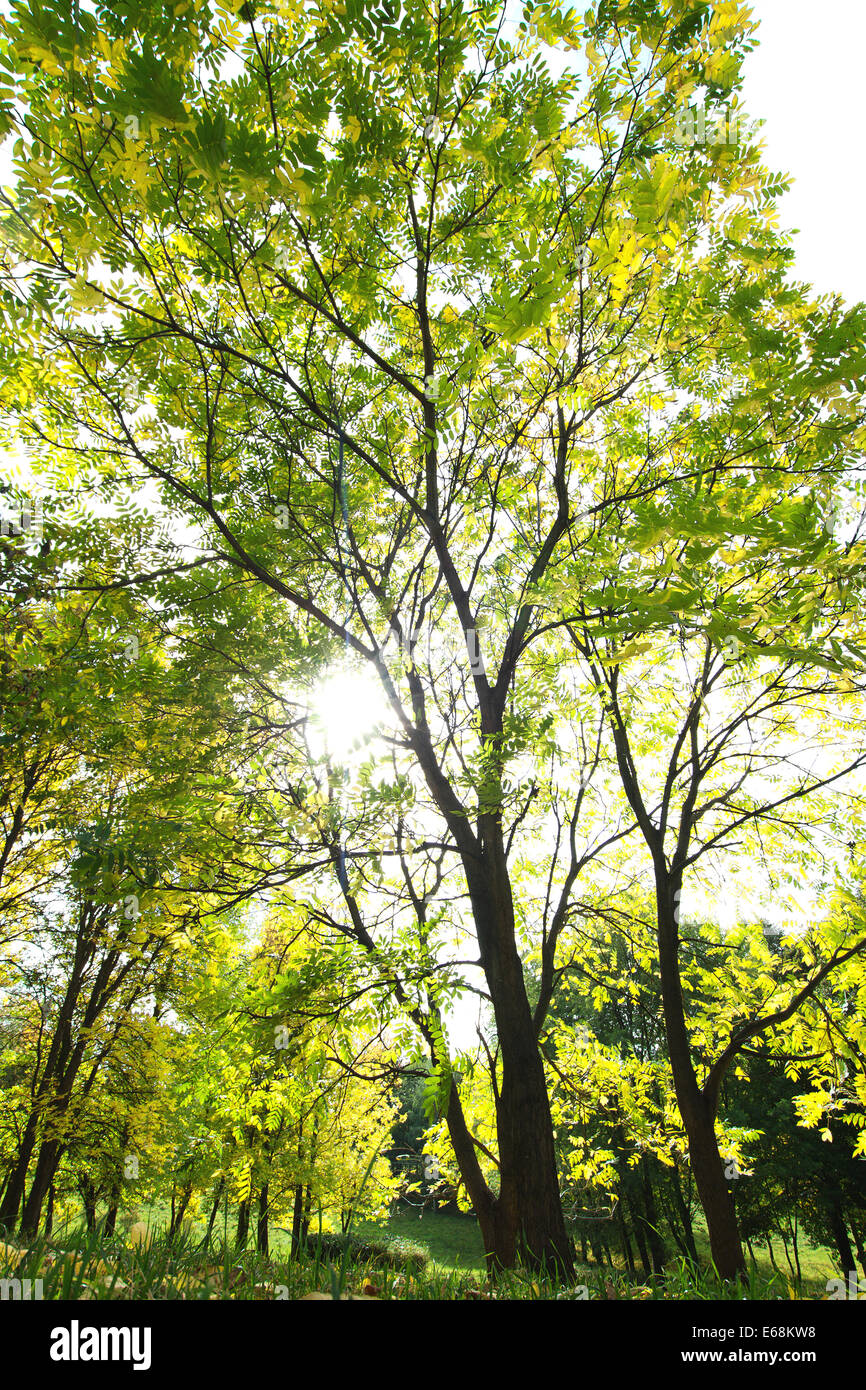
[{"x": 806, "y": 81}]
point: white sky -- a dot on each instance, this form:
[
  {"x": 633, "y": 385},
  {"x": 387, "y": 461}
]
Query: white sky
[{"x": 806, "y": 81}]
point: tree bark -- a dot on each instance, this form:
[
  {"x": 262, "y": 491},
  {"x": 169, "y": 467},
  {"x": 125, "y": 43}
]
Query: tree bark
[
  {"x": 111, "y": 1216},
  {"x": 840, "y": 1236},
  {"x": 178, "y": 1211},
  {"x": 297, "y": 1219},
  {"x": 243, "y": 1225},
  {"x": 637, "y": 1225},
  {"x": 524, "y": 1221},
  {"x": 88, "y": 1197},
  {"x": 685, "y": 1215},
  {"x": 262, "y": 1223},
  {"x": 696, "y": 1109},
  {"x": 656, "y": 1244},
  {"x": 213, "y": 1212},
  {"x": 858, "y": 1241},
  {"x": 49, "y": 1212}
]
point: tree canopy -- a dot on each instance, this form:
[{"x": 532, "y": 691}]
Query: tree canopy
[{"x": 427, "y": 342}]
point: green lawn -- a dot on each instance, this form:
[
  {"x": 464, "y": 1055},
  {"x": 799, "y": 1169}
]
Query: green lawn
[{"x": 454, "y": 1242}]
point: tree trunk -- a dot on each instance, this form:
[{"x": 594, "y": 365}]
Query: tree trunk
[
  {"x": 796, "y": 1250},
  {"x": 262, "y": 1224},
  {"x": 49, "y": 1212},
  {"x": 626, "y": 1244},
  {"x": 637, "y": 1223},
  {"x": 88, "y": 1197},
  {"x": 685, "y": 1215},
  {"x": 656, "y": 1244},
  {"x": 297, "y": 1219},
  {"x": 178, "y": 1212},
  {"x": 697, "y": 1111},
  {"x": 840, "y": 1237},
  {"x": 213, "y": 1212},
  {"x": 111, "y": 1217},
  {"x": 50, "y": 1154},
  {"x": 524, "y": 1221},
  {"x": 308, "y": 1207},
  {"x": 16, "y": 1185},
  {"x": 857, "y": 1233},
  {"x": 243, "y": 1225}
]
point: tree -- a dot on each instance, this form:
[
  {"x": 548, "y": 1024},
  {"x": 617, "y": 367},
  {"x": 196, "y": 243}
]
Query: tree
[
  {"x": 115, "y": 774},
  {"x": 385, "y": 305}
]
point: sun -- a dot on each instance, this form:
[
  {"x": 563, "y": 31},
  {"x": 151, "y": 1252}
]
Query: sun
[{"x": 345, "y": 708}]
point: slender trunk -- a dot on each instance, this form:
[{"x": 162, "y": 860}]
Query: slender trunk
[
  {"x": 772, "y": 1256},
  {"x": 626, "y": 1244},
  {"x": 50, "y": 1154},
  {"x": 840, "y": 1237},
  {"x": 262, "y": 1224},
  {"x": 178, "y": 1213},
  {"x": 685, "y": 1215},
  {"x": 297, "y": 1219},
  {"x": 88, "y": 1197},
  {"x": 243, "y": 1225},
  {"x": 750, "y": 1250},
  {"x": 656, "y": 1245},
  {"x": 213, "y": 1212},
  {"x": 111, "y": 1215},
  {"x": 857, "y": 1233},
  {"x": 308, "y": 1207},
  {"x": 796, "y": 1250},
  {"x": 698, "y": 1114},
  {"x": 16, "y": 1185},
  {"x": 49, "y": 1212},
  {"x": 61, "y": 1065}
]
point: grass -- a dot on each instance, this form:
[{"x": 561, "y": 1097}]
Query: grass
[
  {"x": 431, "y": 1256},
  {"x": 452, "y": 1242}
]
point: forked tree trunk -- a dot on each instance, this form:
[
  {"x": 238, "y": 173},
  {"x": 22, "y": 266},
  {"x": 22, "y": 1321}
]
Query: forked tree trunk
[
  {"x": 698, "y": 1113},
  {"x": 523, "y": 1222},
  {"x": 178, "y": 1209},
  {"x": 50, "y": 1154}
]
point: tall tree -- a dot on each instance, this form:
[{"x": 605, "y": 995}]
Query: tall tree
[{"x": 382, "y": 302}]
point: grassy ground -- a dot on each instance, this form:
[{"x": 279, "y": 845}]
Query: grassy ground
[
  {"x": 453, "y": 1242},
  {"x": 413, "y": 1255}
]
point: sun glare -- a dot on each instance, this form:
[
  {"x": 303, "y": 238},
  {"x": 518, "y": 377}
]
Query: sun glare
[{"x": 345, "y": 709}]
